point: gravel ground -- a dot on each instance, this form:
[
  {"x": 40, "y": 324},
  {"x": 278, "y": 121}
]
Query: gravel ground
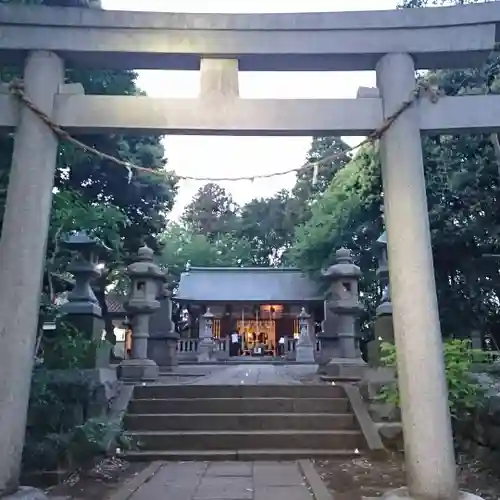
[
  {"x": 98, "y": 483},
  {"x": 362, "y": 477}
]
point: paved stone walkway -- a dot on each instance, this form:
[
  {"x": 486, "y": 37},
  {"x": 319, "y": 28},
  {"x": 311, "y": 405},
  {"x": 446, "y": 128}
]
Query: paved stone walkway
[
  {"x": 225, "y": 481},
  {"x": 229, "y": 480},
  {"x": 247, "y": 374}
]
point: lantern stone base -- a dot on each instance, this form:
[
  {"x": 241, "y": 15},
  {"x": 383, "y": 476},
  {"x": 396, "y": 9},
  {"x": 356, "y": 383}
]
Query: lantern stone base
[
  {"x": 206, "y": 349},
  {"x": 26, "y": 493},
  {"x": 138, "y": 370},
  {"x": 305, "y": 354},
  {"x": 349, "y": 368},
  {"x": 162, "y": 350},
  {"x": 403, "y": 494}
]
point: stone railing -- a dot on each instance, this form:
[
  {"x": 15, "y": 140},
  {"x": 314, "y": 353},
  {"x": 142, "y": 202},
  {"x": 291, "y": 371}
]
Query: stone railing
[
  {"x": 291, "y": 347},
  {"x": 290, "y": 344},
  {"x": 187, "y": 345},
  {"x": 187, "y": 350},
  {"x": 221, "y": 348}
]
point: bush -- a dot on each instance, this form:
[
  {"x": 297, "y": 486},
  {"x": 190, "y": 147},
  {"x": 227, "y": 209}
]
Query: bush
[
  {"x": 61, "y": 432},
  {"x": 67, "y": 349},
  {"x": 465, "y": 394},
  {"x": 96, "y": 437}
]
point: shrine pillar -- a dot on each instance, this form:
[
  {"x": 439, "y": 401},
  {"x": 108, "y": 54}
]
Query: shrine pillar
[
  {"x": 429, "y": 454},
  {"x": 22, "y": 254}
]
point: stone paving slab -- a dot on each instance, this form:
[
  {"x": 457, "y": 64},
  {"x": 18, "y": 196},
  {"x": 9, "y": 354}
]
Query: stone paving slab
[
  {"x": 225, "y": 481},
  {"x": 230, "y": 469},
  {"x": 248, "y": 374}
]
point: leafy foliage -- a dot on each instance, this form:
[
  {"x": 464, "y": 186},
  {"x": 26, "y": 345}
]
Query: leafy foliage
[
  {"x": 68, "y": 349},
  {"x": 182, "y": 246},
  {"x": 346, "y": 215},
  {"x": 268, "y": 225},
  {"x": 261, "y": 232},
  {"x": 129, "y": 211},
  {"x": 71, "y": 213},
  {"x": 465, "y": 395},
  {"x": 62, "y": 430},
  {"x": 212, "y": 212},
  {"x": 463, "y": 187},
  {"x": 95, "y": 438},
  {"x": 305, "y": 191}
]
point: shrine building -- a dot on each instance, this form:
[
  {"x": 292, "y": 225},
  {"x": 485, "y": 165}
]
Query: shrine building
[{"x": 261, "y": 304}]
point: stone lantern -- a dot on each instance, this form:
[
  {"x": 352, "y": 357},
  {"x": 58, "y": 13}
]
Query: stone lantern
[
  {"x": 84, "y": 267},
  {"x": 383, "y": 327},
  {"x": 163, "y": 338},
  {"x": 343, "y": 302},
  {"x": 142, "y": 303},
  {"x": 305, "y": 347},
  {"x": 206, "y": 345},
  {"x": 82, "y": 309}
]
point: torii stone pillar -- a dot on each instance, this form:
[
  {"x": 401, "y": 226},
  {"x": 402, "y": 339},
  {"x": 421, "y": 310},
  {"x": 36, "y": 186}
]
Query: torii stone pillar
[
  {"x": 22, "y": 256},
  {"x": 429, "y": 454}
]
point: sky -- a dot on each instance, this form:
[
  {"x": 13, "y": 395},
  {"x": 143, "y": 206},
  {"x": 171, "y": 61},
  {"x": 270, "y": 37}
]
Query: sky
[{"x": 209, "y": 156}]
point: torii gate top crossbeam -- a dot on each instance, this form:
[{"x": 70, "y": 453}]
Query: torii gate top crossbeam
[{"x": 436, "y": 38}]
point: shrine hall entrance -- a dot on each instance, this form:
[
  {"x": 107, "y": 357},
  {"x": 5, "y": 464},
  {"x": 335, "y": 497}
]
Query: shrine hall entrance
[
  {"x": 261, "y": 305},
  {"x": 258, "y": 332}
]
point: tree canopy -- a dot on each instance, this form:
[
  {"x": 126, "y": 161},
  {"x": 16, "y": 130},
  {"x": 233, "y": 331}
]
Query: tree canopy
[
  {"x": 337, "y": 205},
  {"x": 135, "y": 209},
  {"x": 463, "y": 187},
  {"x": 261, "y": 232},
  {"x": 212, "y": 212}
]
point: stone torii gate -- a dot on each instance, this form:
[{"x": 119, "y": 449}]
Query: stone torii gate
[{"x": 394, "y": 43}]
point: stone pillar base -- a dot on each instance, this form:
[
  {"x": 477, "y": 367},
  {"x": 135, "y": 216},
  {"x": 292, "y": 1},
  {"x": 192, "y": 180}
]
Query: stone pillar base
[
  {"x": 163, "y": 351},
  {"x": 205, "y": 351},
  {"x": 138, "y": 370},
  {"x": 403, "y": 494},
  {"x": 338, "y": 368},
  {"x": 329, "y": 350},
  {"x": 26, "y": 493},
  {"x": 305, "y": 354}
]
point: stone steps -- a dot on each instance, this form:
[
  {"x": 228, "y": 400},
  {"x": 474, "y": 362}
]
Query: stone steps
[
  {"x": 158, "y": 391},
  {"x": 238, "y": 421},
  {"x": 234, "y": 455},
  {"x": 241, "y": 422},
  {"x": 237, "y": 405},
  {"x": 248, "y": 440}
]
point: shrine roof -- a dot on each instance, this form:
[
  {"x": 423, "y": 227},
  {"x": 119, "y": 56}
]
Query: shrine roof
[{"x": 247, "y": 284}]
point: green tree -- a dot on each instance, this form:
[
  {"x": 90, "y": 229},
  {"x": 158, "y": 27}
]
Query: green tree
[
  {"x": 182, "y": 246},
  {"x": 268, "y": 225},
  {"x": 71, "y": 213},
  {"x": 212, "y": 212},
  {"x": 346, "y": 215},
  {"x": 144, "y": 200},
  {"x": 305, "y": 189},
  {"x": 463, "y": 187}
]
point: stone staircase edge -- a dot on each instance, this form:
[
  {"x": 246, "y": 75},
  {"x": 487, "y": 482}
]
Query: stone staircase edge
[{"x": 366, "y": 424}]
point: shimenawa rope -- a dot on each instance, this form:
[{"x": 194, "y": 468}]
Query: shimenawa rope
[{"x": 17, "y": 90}]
